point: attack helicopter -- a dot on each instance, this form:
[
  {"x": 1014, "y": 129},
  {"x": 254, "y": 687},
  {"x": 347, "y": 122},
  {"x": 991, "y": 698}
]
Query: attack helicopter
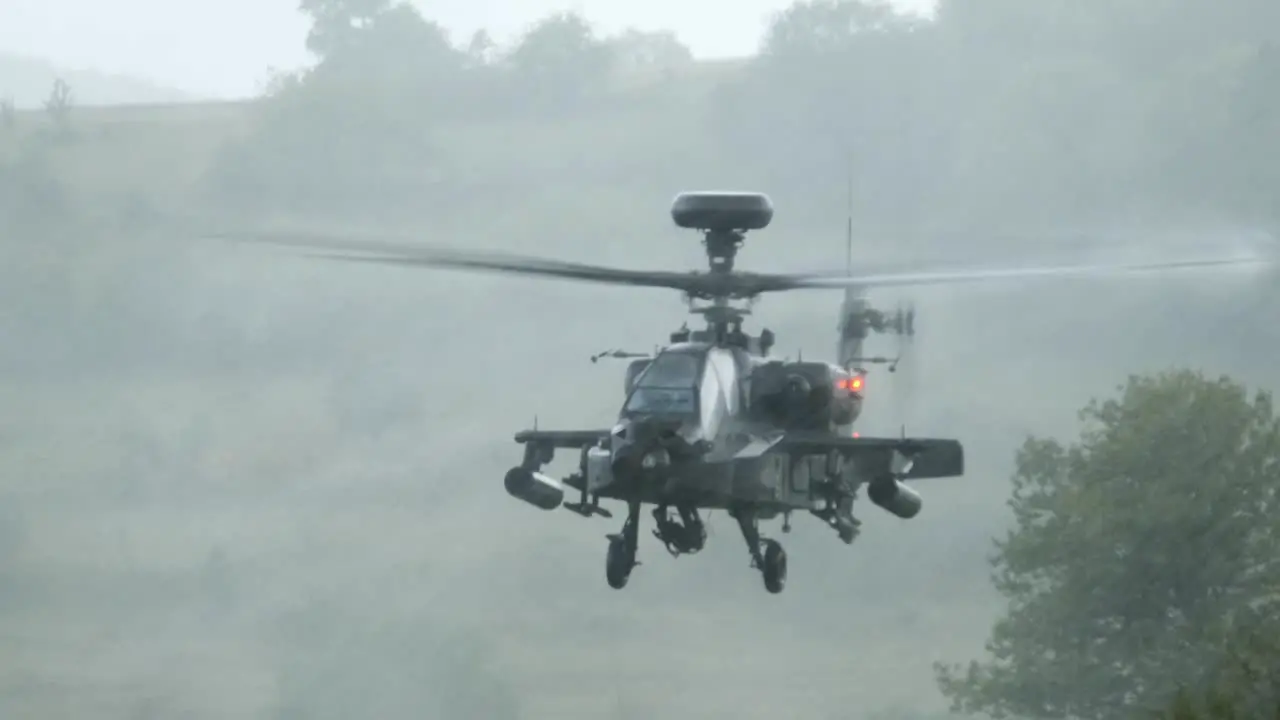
[{"x": 711, "y": 421}]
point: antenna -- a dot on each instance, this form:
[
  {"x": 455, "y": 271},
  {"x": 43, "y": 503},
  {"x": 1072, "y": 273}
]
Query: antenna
[
  {"x": 848, "y": 347},
  {"x": 848, "y": 214}
]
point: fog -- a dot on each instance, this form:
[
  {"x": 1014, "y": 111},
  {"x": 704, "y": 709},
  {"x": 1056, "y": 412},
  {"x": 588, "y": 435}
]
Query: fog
[
  {"x": 241, "y": 483},
  {"x": 184, "y": 43}
]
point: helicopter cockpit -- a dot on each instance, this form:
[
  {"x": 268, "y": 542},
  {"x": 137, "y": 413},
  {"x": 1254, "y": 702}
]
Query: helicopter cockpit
[{"x": 669, "y": 385}]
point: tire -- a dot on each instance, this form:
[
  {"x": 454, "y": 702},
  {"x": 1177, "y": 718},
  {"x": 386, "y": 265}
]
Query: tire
[
  {"x": 617, "y": 566},
  {"x": 775, "y": 567}
]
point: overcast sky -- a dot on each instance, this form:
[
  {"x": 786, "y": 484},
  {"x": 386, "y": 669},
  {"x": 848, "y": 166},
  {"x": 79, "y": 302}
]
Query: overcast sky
[{"x": 225, "y": 47}]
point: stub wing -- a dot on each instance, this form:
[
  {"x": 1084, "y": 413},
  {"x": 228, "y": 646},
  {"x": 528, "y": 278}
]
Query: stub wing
[
  {"x": 931, "y": 457},
  {"x": 562, "y": 438}
]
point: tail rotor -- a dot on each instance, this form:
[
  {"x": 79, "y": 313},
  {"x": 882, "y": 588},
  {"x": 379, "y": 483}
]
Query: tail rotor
[{"x": 904, "y": 369}]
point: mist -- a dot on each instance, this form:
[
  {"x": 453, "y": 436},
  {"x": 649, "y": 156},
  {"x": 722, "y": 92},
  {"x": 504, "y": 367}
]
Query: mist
[{"x": 242, "y": 483}]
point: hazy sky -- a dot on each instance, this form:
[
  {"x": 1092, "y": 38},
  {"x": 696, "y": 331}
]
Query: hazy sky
[{"x": 225, "y": 47}]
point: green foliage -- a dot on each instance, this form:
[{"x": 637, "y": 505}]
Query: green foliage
[
  {"x": 996, "y": 114},
  {"x": 1245, "y": 687},
  {"x": 1008, "y": 112},
  {"x": 359, "y": 135},
  {"x": 836, "y": 81},
  {"x": 557, "y": 63},
  {"x": 1137, "y": 550},
  {"x": 637, "y": 51},
  {"x": 336, "y": 25}
]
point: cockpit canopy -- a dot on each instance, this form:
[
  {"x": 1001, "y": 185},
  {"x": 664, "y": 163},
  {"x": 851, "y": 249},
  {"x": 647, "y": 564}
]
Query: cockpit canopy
[{"x": 669, "y": 385}]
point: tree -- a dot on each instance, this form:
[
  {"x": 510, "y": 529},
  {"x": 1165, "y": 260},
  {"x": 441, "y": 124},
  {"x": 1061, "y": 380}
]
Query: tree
[
  {"x": 1135, "y": 550},
  {"x": 354, "y": 133},
  {"x": 640, "y": 51},
  {"x": 559, "y": 60},
  {"x": 336, "y": 23},
  {"x": 828, "y": 27},
  {"x": 480, "y": 49},
  {"x": 839, "y": 81},
  {"x": 393, "y": 48},
  {"x": 1247, "y": 685}
]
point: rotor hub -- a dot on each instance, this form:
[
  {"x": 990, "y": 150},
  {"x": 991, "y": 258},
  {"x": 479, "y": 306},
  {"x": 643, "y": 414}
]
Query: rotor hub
[
  {"x": 724, "y": 218},
  {"x": 722, "y": 247}
]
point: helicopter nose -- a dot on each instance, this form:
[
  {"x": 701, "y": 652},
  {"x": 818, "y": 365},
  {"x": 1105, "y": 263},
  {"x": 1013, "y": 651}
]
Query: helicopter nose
[{"x": 644, "y": 443}]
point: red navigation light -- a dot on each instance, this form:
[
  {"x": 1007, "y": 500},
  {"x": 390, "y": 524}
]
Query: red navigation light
[
  {"x": 857, "y": 434},
  {"x": 852, "y": 384}
]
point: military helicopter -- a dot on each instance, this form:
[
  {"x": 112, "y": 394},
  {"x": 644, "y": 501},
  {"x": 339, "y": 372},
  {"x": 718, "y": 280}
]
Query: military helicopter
[{"x": 711, "y": 421}]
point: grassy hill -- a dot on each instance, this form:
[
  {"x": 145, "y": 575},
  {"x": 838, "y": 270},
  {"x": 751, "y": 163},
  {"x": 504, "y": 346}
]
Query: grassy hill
[
  {"x": 153, "y": 151},
  {"x": 226, "y": 404},
  {"x": 162, "y": 150},
  {"x": 27, "y": 81}
]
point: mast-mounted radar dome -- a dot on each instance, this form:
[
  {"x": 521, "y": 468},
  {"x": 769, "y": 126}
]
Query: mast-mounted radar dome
[{"x": 722, "y": 211}]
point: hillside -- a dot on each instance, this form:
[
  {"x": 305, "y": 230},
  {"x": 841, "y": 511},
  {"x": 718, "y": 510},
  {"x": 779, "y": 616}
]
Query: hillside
[
  {"x": 162, "y": 151},
  {"x": 182, "y": 470},
  {"x": 27, "y": 82}
]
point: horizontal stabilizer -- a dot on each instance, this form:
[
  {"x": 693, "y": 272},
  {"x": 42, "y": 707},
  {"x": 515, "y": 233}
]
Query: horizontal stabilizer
[
  {"x": 932, "y": 457},
  {"x": 562, "y": 438}
]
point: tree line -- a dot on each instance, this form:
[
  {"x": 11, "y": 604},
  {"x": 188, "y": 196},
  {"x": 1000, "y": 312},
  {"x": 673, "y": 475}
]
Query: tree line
[
  {"x": 990, "y": 112},
  {"x": 1083, "y": 112}
]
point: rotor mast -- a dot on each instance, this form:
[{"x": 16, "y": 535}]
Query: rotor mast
[
  {"x": 723, "y": 219},
  {"x": 721, "y": 317},
  {"x": 722, "y": 247}
]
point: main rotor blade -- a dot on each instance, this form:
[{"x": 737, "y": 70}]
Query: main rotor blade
[
  {"x": 944, "y": 277},
  {"x": 735, "y": 285},
  {"x": 407, "y": 254}
]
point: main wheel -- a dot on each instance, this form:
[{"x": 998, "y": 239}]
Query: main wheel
[
  {"x": 775, "y": 566},
  {"x": 617, "y": 564}
]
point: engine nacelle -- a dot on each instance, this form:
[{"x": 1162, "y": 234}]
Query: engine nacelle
[
  {"x": 534, "y": 488},
  {"x": 895, "y": 498},
  {"x": 806, "y": 395}
]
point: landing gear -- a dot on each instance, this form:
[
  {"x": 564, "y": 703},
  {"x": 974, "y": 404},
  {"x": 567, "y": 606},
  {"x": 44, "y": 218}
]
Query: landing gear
[
  {"x": 839, "y": 514},
  {"x": 846, "y": 525},
  {"x": 617, "y": 564},
  {"x": 839, "y": 496},
  {"x": 683, "y": 534},
  {"x": 767, "y": 555},
  {"x": 775, "y": 566},
  {"x": 621, "y": 556}
]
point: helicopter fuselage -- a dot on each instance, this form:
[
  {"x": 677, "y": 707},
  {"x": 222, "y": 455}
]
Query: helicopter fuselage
[
  {"x": 709, "y": 425},
  {"x": 699, "y": 419}
]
